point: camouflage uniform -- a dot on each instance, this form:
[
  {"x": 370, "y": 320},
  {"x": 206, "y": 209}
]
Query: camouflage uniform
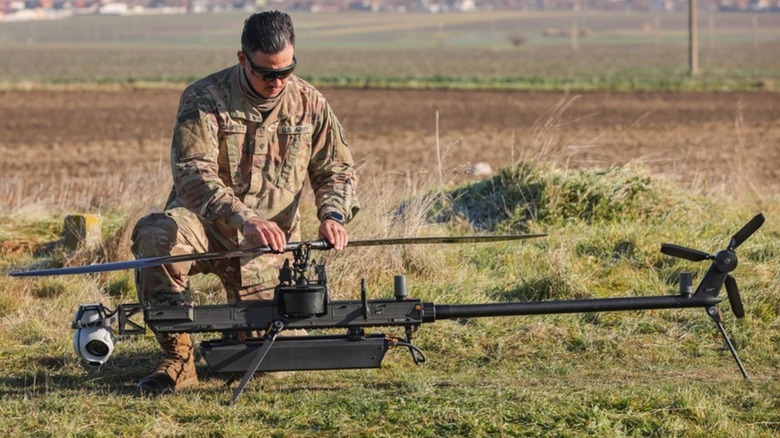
[{"x": 232, "y": 162}]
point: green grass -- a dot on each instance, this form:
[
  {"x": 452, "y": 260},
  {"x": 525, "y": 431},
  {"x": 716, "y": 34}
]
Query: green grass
[{"x": 636, "y": 373}]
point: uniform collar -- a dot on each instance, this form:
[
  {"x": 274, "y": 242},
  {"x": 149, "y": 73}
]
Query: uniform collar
[{"x": 245, "y": 103}]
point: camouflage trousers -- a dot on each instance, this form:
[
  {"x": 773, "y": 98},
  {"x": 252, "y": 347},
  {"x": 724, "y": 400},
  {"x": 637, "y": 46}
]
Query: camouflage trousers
[{"x": 179, "y": 231}]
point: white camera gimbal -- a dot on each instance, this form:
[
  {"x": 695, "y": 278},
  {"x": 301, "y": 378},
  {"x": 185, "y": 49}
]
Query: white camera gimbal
[{"x": 93, "y": 340}]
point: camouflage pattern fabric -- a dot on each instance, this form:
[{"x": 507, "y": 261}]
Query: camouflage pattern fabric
[
  {"x": 179, "y": 231},
  {"x": 232, "y": 162}
]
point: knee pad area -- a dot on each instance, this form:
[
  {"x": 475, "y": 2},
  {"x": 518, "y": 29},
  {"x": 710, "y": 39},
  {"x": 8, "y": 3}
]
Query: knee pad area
[{"x": 154, "y": 235}]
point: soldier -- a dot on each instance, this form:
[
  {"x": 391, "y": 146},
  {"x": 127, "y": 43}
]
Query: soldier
[{"x": 244, "y": 141}]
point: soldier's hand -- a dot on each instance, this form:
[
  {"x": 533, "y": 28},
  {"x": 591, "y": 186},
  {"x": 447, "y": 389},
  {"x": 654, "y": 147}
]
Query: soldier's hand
[
  {"x": 266, "y": 233},
  {"x": 335, "y": 233}
]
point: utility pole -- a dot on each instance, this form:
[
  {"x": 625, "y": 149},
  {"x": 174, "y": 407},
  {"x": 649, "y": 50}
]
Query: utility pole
[
  {"x": 693, "y": 43},
  {"x": 575, "y": 33}
]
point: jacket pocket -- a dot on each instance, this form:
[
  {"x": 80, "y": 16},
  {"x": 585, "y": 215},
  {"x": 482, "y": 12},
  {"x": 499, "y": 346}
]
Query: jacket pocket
[
  {"x": 231, "y": 144},
  {"x": 295, "y": 142}
]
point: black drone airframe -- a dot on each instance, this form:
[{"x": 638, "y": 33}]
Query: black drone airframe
[{"x": 301, "y": 302}]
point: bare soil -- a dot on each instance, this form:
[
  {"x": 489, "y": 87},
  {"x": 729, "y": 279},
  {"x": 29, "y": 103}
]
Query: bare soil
[{"x": 705, "y": 140}]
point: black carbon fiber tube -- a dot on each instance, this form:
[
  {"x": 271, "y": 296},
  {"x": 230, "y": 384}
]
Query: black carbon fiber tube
[{"x": 445, "y": 311}]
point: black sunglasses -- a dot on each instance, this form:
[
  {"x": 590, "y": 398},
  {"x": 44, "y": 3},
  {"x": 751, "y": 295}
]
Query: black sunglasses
[{"x": 270, "y": 74}]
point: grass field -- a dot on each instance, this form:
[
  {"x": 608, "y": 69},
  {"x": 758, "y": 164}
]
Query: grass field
[
  {"x": 637, "y": 373},
  {"x": 652, "y": 373}
]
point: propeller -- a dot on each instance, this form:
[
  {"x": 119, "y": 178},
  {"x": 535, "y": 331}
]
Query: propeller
[
  {"x": 734, "y": 299},
  {"x": 737, "y": 239},
  {"x": 142, "y": 263},
  {"x": 725, "y": 261},
  {"x": 746, "y": 231},
  {"x": 292, "y": 246},
  {"x": 682, "y": 252},
  {"x": 429, "y": 240},
  {"x": 718, "y": 275}
]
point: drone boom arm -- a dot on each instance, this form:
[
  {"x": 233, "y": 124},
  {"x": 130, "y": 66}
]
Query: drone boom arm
[{"x": 385, "y": 313}]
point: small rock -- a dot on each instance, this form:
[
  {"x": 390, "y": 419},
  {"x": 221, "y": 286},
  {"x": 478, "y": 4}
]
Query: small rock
[
  {"x": 82, "y": 230},
  {"x": 480, "y": 169}
]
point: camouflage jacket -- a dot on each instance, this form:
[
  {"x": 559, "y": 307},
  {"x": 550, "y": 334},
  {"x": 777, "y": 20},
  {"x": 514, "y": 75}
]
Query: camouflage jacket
[{"x": 231, "y": 162}]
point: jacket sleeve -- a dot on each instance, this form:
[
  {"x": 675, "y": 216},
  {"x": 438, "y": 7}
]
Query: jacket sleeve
[
  {"x": 194, "y": 153},
  {"x": 331, "y": 169}
]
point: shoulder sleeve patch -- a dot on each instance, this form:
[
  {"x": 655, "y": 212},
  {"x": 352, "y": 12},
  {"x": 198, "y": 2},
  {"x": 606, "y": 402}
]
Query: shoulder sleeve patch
[
  {"x": 187, "y": 116},
  {"x": 194, "y": 138}
]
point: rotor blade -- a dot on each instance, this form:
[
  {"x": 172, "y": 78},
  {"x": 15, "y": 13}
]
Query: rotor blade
[
  {"x": 746, "y": 231},
  {"x": 142, "y": 263},
  {"x": 431, "y": 240},
  {"x": 682, "y": 252},
  {"x": 734, "y": 298},
  {"x": 313, "y": 244}
]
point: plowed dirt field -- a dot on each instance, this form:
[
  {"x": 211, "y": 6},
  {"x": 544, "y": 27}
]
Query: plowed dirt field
[{"x": 707, "y": 140}]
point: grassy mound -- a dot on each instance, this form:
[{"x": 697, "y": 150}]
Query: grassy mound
[{"x": 527, "y": 192}]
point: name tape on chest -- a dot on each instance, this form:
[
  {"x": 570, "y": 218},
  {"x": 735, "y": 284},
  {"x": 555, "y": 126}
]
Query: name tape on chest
[{"x": 235, "y": 128}]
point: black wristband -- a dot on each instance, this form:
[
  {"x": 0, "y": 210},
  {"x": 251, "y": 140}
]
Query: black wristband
[{"x": 334, "y": 216}]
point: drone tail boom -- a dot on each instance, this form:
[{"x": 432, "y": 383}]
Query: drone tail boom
[{"x": 444, "y": 311}]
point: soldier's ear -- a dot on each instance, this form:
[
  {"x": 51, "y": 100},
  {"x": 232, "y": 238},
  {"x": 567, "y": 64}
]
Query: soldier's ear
[{"x": 241, "y": 57}]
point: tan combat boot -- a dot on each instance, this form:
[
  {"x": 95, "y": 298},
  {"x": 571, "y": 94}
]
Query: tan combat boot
[{"x": 176, "y": 370}]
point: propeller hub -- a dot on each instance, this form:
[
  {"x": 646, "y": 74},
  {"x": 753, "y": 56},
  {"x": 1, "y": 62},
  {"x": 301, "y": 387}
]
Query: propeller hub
[{"x": 726, "y": 261}]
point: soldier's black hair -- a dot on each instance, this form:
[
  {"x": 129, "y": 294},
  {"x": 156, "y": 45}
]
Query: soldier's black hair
[{"x": 268, "y": 31}]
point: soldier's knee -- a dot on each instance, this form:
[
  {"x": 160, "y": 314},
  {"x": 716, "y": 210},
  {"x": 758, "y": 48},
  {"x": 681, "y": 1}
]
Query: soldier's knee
[{"x": 154, "y": 235}]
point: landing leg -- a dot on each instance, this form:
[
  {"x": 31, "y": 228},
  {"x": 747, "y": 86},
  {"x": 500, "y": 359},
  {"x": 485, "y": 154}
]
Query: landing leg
[
  {"x": 715, "y": 315},
  {"x": 270, "y": 337}
]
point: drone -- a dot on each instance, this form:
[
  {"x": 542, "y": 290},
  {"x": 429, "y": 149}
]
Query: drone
[{"x": 302, "y": 301}]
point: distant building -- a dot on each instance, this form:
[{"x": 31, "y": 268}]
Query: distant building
[
  {"x": 17, "y": 10},
  {"x": 113, "y": 9}
]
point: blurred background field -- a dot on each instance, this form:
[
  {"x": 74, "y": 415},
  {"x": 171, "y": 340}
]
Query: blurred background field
[{"x": 502, "y": 49}]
